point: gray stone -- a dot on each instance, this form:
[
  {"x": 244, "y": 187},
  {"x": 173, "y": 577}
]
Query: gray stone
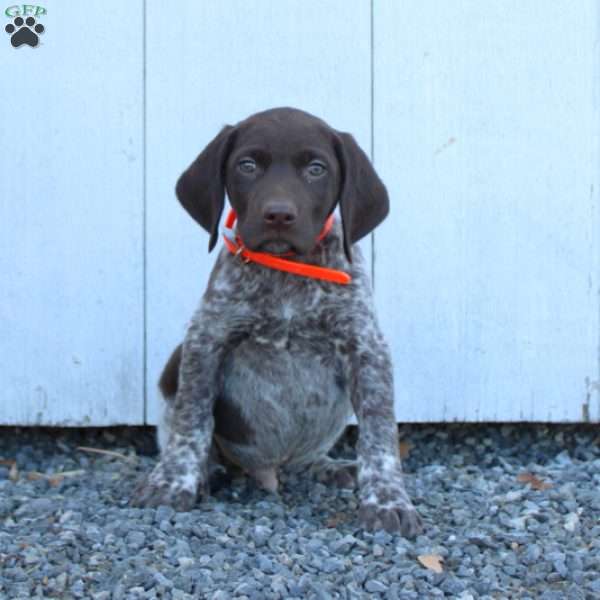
[
  {"x": 162, "y": 580},
  {"x": 261, "y": 534},
  {"x": 452, "y": 585},
  {"x": 532, "y": 554},
  {"x": 372, "y": 585},
  {"x": 265, "y": 564},
  {"x": 36, "y": 507},
  {"x": 135, "y": 539}
]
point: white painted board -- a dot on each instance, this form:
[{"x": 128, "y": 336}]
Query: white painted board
[
  {"x": 215, "y": 63},
  {"x": 71, "y": 218},
  {"x": 487, "y": 273}
]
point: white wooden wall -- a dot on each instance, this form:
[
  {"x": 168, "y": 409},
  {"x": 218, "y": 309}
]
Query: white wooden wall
[
  {"x": 487, "y": 130},
  {"x": 71, "y": 219},
  {"x": 481, "y": 117}
]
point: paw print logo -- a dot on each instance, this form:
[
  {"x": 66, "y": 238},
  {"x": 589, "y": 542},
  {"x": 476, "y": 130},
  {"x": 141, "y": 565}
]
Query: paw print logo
[{"x": 24, "y": 32}]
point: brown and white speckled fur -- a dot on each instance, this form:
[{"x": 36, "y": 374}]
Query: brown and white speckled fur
[{"x": 287, "y": 360}]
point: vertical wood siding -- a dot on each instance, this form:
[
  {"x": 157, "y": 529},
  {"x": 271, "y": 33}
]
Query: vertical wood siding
[
  {"x": 486, "y": 131},
  {"x": 217, "y": 63},
  {"x": 482, "y": 118},
  {"x": 71, "y": 215}
]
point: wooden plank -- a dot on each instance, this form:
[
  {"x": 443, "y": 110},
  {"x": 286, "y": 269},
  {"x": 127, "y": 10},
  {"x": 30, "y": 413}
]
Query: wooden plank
[
  {"x": 486, "y": 130},
  {"x": 216, "y": 63},
  {"x": 71, "y": 212}
]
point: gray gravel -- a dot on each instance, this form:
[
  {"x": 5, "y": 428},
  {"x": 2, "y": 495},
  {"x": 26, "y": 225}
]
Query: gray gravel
[{"x": 498, "y": 537}]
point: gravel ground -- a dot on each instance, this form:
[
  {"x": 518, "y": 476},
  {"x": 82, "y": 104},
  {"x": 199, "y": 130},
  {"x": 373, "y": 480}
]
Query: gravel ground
[{"x": 511, "y": 511}]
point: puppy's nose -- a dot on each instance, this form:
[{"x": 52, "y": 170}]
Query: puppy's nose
[{"x": 280, "y": 214}]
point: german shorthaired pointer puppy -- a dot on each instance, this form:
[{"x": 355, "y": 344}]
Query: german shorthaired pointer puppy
[{"x": 274, "y": 362}]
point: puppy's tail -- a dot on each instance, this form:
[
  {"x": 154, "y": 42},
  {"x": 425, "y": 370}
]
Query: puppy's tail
[
  {"x": 168, "y": 386},
  {"x": 170, "y": 375}
]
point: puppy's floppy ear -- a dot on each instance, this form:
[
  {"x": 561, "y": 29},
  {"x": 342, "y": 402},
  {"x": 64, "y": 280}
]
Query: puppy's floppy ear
[
  {"x": 201, "y": 188},
  {"x": 363, "y": 198}
]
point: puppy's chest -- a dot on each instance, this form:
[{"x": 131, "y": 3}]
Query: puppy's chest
[
  {"x": 287, "y": 381},
  {"x": 289, "y": 390},
  {"x": 291, "y": 357},
  {"x": 286, "y": 324}
]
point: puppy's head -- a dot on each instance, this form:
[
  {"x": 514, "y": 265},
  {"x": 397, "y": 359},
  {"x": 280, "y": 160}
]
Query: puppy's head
[{"x": 284, "y": 172}]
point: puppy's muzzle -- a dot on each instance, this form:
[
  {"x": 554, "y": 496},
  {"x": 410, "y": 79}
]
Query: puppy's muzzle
[{"x": 279, "y": 214}]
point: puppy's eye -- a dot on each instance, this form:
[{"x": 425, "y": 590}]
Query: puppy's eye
[
  {"x": 316, "y": 168},
  {"x": 247, "y": 165}
]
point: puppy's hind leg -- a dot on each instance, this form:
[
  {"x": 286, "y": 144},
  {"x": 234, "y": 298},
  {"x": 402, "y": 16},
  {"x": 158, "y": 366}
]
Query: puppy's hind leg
[
  {"x": 340, "y": 471},
  {"x": 266, "y": 478}
]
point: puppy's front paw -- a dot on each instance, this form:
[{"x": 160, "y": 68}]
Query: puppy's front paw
[
  {"x": 393, "y": 517},
  {"x": 158, "y": 489},
  {"x": 386, "y": 505}
]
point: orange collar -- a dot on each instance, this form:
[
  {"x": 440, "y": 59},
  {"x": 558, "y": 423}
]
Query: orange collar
[{"x": 235, "y": 246}]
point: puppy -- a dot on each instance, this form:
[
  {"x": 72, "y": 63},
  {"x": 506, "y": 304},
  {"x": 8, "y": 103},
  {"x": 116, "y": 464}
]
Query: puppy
[{"x": 284, "y": 345}]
